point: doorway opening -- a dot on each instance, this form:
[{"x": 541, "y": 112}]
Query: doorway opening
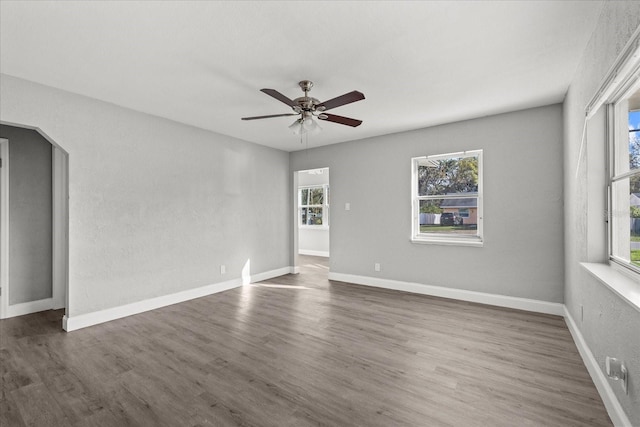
[
  {"x": 33, "y": 222},
  {"x": 312, "y": 225}
]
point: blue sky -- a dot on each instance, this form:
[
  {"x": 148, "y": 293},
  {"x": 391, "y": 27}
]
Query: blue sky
[{"x": 634, "y": 119}]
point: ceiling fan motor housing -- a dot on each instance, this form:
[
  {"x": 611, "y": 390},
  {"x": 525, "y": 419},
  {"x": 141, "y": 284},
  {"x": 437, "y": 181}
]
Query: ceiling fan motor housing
[{"x": 305, "y": 103}]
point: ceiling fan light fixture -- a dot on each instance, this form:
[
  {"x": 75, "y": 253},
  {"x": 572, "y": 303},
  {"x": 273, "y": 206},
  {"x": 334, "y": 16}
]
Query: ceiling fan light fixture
[
  {"x": 305, "y": 126},
  {"x": 296, "y": 127},
  {"x": 310, "y": 126}
]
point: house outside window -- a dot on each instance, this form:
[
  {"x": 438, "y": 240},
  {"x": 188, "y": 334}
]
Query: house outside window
[
  {"x": 447, "y": 198},
  {"x": 313, "y": 205}
]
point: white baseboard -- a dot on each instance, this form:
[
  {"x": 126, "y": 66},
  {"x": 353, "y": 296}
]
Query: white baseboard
[
  {"x": 29, "y": 307},
  {"x": 459, "y": 294},
  {"x": 270, "y": 274},
  {"x": 614, "y": 409},
  {"x": 313, "y": 253},
  {"x": 73, "y": 323}
]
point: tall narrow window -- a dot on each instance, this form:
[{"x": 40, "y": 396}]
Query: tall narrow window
[
  {"x": 447, "y": 198},
  {"x": 314, "y": 206},
  {"x": 624, "y": 120}
]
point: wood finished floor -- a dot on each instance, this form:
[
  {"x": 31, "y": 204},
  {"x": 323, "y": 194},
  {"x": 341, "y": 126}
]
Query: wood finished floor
[{"x": 299, "y": 351}]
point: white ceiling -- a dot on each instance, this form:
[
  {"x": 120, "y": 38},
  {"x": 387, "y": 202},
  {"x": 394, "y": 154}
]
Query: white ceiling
[{"x": 202, "y": 63}]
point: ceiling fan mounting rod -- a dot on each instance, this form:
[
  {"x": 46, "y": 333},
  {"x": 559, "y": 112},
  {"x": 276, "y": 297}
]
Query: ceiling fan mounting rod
[{"x": 306, "y": 86}]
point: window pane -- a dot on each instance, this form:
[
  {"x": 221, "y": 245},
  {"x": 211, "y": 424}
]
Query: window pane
[
  {"x": 314, "y": 216},
  {"x": 626, "y": 221},
  {"x": 303, "y": 216},
  {"x": 316, "y": 196},
  {"x": 626, "y": 153},
  {"x": 304, "y": 196},
  {"x": 634, "y": 221},
  {"x": 447, "y": 176},
  {"x": 445, "y": 216},
  {"x": 634, "y": 140}
]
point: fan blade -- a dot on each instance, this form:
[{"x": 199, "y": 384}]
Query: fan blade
[
  {"x": 347, "y": 98},
  {"x": 268, "y": 117},
  {"x": 342, "y": 120},
  {"x": 280, "y": 97}
]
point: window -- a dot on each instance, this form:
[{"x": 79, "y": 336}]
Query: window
[
  {"x": 313, "y": 205},
  {"x": 624, "y": 183},
  {"x": 613, "y": 115},
  {"x": 447, "y": 198}
]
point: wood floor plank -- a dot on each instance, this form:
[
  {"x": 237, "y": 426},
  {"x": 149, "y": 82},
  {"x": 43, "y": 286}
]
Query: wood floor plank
[
  {"x": 299, "y": 350},
  {"x": 38, "y": 407},
  {"x": 9, "y": 413}
]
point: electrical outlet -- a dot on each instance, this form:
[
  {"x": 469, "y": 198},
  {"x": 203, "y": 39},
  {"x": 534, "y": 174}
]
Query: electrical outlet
[
  {"x": 617, "y": 371},
  {"x": 347, "y": 206},
  {"x": 223, "y": 269},
  {"x": 376, "y": 266}
]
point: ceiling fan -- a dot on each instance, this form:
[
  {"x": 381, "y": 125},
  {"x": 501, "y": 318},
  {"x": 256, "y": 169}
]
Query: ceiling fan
[{"x": 307, "y": 107}]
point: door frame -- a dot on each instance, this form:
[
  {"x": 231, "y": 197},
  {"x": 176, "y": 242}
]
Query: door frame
[
  {"x": 295, "y": 267},
  {"x": 4, "y": 228},
  {"x": 60, "y": 233}
]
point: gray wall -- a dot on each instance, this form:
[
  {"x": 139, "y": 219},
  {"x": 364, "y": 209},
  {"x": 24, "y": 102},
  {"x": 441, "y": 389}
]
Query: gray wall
[
  {"x": 30, "y": 226},
  {"x": 523, "y": 250},
  {"x": 155, "y": 207},
  {"x": 611, "y": 326}
]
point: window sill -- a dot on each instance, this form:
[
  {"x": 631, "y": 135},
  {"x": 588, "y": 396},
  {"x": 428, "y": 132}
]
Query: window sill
[
  {"x": 447, "y": 242},
  {"x": 314, "y": 227},
  {"x": 621, "y": 284}
]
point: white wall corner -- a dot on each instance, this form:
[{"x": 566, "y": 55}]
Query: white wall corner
[{"x": 614, "y": 409}]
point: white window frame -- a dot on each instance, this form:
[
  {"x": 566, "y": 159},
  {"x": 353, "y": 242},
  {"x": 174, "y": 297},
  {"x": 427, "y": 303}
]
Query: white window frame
[
  {"x": 618, "y": 133},
  {"x": 445, "y": 238},
  {"x": 618, "y": 84},
  {"x": 324, "y": 206}
]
